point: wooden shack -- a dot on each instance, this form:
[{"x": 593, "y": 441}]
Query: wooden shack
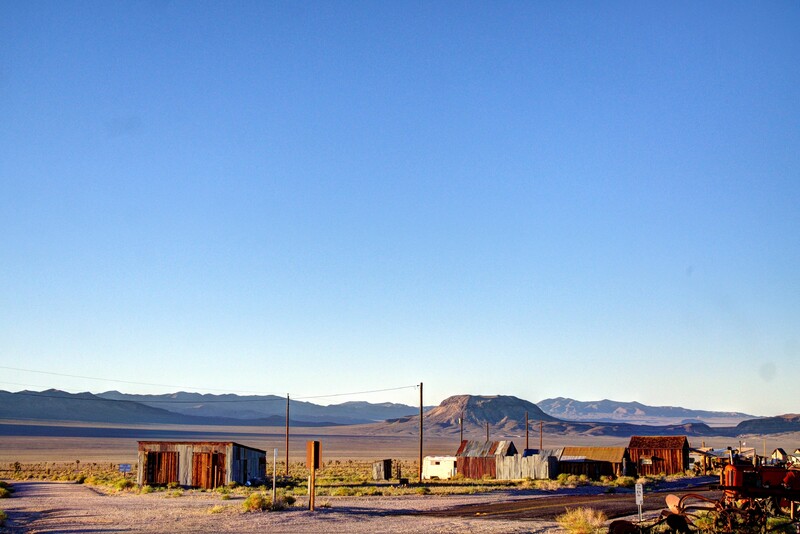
[
  {"x": 199, "y": 464},
  {"x": 595, "y": 462},
  {"x": 477, "y": 459},
  {"x": 382, "y": 470},
  {"x": 655, "y": 455}
]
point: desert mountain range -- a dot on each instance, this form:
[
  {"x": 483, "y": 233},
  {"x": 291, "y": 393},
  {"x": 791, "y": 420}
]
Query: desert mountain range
[{"x": 504, "y": 414}]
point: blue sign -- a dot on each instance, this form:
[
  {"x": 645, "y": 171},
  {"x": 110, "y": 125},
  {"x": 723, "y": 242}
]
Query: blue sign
[{"x": 124, "y": 468}]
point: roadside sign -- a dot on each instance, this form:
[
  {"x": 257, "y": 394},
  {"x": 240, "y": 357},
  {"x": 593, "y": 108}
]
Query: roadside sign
[
  {"x": 639, "y": 499},
  {"x": 124, "y": 468}
]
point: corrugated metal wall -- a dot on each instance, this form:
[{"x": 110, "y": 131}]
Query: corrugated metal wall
[{"x": 472, "y": 467}]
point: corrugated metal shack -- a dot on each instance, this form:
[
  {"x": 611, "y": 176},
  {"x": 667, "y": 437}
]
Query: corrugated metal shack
[
  {"x": 198, "y": 464},
  {"x": 654, "y": 455},
  {"x": 536, "y": 465},
  {"x": 477, "y": 459},
  {"x": 595, "y": 462}
]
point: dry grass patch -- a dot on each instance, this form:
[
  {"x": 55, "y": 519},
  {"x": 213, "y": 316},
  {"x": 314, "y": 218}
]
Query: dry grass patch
[{"x": 582, "y": 521}]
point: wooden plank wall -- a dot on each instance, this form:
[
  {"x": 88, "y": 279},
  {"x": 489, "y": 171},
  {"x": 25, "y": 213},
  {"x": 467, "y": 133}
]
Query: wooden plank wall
[{"x": 534, "y": 467}]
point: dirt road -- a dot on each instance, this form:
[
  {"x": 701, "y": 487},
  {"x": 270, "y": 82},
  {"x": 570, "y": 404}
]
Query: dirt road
[
  {"x": 613, "y": 505},
  {"x": 53, "y": 507}
]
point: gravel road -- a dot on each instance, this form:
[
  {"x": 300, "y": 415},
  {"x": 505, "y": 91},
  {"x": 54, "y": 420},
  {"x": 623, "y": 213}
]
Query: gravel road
[{"x": 70, "y": 508}]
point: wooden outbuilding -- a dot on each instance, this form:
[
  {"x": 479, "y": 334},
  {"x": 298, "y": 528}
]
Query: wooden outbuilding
[
  {"x": 595, "y": 462},
  {"x": 477, "y": 459},
  {"x": 382, "y": 470},
  {"x": 656, "y": 455},
  {"x": 199, "y": 464}
]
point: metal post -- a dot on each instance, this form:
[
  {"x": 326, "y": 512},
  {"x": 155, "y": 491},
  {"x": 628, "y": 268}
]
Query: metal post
[
  {"x": 287, "y": 434},
  {"x": 420, "y": 432},
  {"x": 274, "y": 473}
]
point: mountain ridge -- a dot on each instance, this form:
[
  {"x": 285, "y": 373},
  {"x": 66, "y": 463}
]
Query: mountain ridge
[
  {"x": 504, "y": 414},
  {"x": 606, "y": 410}
]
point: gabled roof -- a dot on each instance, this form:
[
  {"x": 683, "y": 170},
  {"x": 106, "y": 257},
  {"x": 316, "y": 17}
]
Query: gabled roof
[
  {"x": 658, "y": 442},
  {"x": 595, "y": 454},
  {"x": 484, "y": 449}
]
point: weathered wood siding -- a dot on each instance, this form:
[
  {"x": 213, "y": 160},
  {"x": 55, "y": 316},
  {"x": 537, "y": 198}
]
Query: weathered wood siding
[
  {"x": 658, "y": 461},
  {"x": 206, "y": 464},
  {"x": 654, "y": 455},
  {"x": 518, "y": 467}
]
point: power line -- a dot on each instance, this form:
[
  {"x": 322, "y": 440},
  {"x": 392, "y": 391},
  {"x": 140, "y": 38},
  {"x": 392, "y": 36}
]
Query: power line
[
  {"x": 94, "y": 397},
  {"x": 126, "y": 381},
  {"x": 357, "y": 392}
]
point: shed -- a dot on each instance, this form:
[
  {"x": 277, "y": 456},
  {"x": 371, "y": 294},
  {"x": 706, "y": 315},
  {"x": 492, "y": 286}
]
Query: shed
[
  {"x": 199, "y": 464},
  {"x": 595, "y": 462},
  {"x": 382, "y": 470},
  {"x": 439, "y": 467},
  {"x": 654, "y": 455},
  {"x": 476, "y": 459}
]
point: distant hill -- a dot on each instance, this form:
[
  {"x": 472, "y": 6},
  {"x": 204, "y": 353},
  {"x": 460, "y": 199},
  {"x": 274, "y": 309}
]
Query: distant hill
[
  {"x": 636, "y": 413},
  {"x": 506, "y": 416},
  {"x": 55, "y": 405},
  {"x": 770, "y": 425},
  {"x": 260, "y": 406}
]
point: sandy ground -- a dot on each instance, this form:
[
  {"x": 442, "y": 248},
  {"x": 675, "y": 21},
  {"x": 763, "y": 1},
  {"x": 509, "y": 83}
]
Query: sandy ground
[{"x": 67, "y": 507}]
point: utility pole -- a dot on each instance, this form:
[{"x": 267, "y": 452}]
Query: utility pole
[
  {"x": 420, "y": 432},
  {"x": 526, "y": 430},
  {"x": 287, "y": 434},
  {"x": 541, "y": 430},
  {"x": 487, "y": 430},
  {"x": 461, "y": 429}
]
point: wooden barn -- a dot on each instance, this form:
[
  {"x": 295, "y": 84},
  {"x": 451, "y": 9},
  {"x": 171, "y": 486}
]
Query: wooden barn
[
  {"x": 595, "y": 462},
  {"x": 198, "y": 464},
  {"x": 477, "y": 459},
  {"x": 655, "y": 455}
]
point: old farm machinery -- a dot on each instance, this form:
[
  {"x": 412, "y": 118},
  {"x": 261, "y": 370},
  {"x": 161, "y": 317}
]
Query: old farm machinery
[{"x": 751, "y": 493}]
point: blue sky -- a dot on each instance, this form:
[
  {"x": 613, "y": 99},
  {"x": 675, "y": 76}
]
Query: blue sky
[{"x": 589, "y": 200}]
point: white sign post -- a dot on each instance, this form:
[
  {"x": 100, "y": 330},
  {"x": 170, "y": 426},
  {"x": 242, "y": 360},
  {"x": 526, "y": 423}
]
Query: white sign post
[{"x": 639, "y": 499}]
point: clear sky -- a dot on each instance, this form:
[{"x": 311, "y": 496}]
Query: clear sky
[{"x": 580, "y": 199}]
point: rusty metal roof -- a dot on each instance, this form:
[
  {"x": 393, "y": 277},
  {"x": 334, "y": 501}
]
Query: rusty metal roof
[
  {"x": 596, "y": 454},
  {"x": 144, "y": 444},
  {"x": 484, "y": 449},
  {"x": 658, "y": 442}
]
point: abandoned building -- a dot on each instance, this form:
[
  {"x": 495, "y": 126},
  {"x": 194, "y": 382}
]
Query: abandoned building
[
  {"x": 477, "y": 459},
  {"x": 655, "y": 455},
  {"x": 198, "y": 464},
  {"x": 595, "y": 462}
]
